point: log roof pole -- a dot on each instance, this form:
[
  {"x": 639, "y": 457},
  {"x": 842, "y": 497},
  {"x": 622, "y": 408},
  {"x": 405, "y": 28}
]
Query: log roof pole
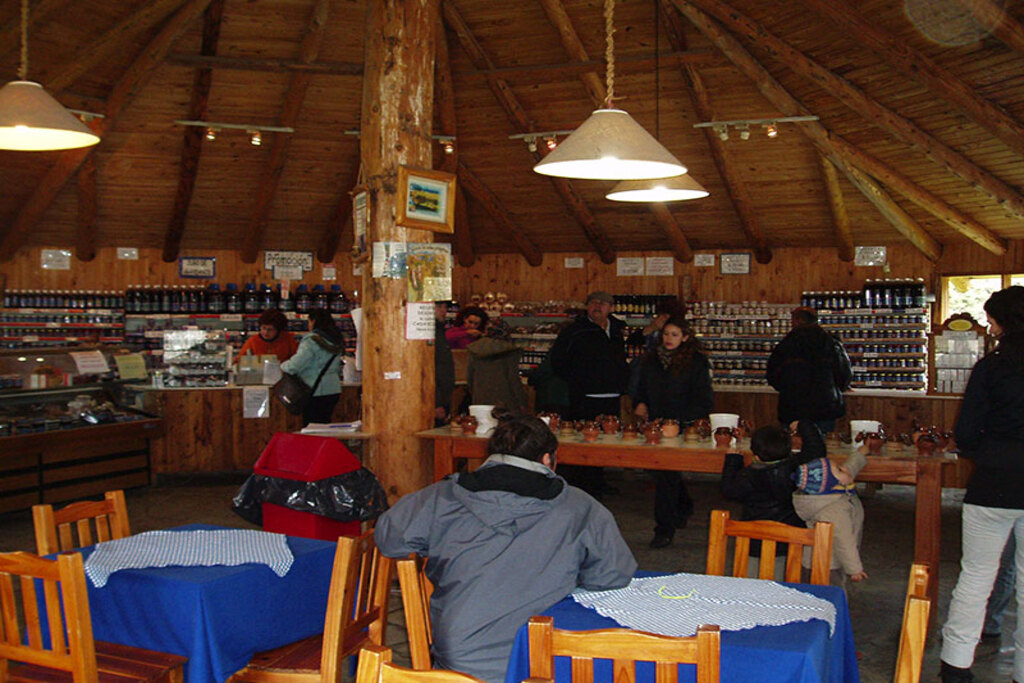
[
  {"x": 280, "y": 66},
  {"x": 277, "y": 157},
  {"x": 499, "y": 214},
  {"x": 395, "y": 130},
  {"x": 750, "y": 223},
  {"x": 832, "y": 145},
  {"x": 445, "y": 94},
  {"x": 85, "y": 230},
  {"x": 339, "y": 233},
  {"x": 921, "y": 68},
  {"x": 133, "y": 79},
  {"x": 1004, "y": 27},
  {"x": 872, "y": 110},
  {"x": 592, "y": 230},
  {"x": 840, "y": 218},
  {"x": 193, "y": 136},
  {"x": 595, "y": 88}
]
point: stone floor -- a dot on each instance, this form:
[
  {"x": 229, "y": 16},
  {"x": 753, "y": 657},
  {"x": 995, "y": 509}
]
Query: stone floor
[{"x": 875, "y": 605}]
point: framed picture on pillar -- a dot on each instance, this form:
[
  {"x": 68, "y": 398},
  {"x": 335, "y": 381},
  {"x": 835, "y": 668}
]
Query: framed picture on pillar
[
  {"x": 426, "y": 199},
  {"x": 360, "y": 222}
]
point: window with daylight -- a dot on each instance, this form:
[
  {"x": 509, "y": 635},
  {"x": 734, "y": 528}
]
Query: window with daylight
[{"x": 968, "y": 293}]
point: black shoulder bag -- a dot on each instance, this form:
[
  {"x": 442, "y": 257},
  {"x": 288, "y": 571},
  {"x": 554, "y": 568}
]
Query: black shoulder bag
[{"x": 294, "y": 393}]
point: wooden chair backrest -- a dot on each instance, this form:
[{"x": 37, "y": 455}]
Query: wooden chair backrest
[
  {"x": 73, "y": 525},
  {"x": 416, "y": 590},
  {"x": 914, "y": 631},
  {"x": 770, "y": 533},
  {"x": 624, "y": 647},
  {"x": 357, "y": 604},
  {"x": 375, "y": 667},
  {"x": 63, "y": 603}
]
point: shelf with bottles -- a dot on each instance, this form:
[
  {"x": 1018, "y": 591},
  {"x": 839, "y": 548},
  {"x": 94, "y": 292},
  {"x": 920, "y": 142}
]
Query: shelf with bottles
[
  {"x": 252, "y": 298},
  {"x": 739, "y": 337},
  {"x": 49, "y": 325}
]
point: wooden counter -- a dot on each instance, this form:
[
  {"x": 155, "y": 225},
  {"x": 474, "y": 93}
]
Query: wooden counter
[{"x": 926, "y": 474}]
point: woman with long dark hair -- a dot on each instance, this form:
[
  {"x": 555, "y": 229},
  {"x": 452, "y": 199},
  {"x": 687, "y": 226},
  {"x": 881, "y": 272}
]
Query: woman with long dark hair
[
  {"x": 674, "y": 383},
  {"x": 990, "y": 431},
  {"x": 320, "y": 349},
  {"x": 469, "y": 326}
]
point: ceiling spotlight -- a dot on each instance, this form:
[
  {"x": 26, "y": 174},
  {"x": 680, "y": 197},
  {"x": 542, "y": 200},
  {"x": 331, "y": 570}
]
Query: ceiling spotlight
[
  {"x": 551, "y": 142},
  {"x": 531, "y": 144},
  {"x": 211, "y": 134},
  {"x": 771, "y": 130},
  {"x": 448, "y": 146},
  {"x": 723, "y": 131},
  {"x": 255, "y": 139},
  {"x": 744, "y": 130}
]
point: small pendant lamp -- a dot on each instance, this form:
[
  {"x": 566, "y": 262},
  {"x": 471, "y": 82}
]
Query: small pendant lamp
[
  {"x": 30, "y": 119},
  {"x": 610, "y": 145}
]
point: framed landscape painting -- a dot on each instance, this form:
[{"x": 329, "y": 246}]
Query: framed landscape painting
[{"x": 426, "y": 199}]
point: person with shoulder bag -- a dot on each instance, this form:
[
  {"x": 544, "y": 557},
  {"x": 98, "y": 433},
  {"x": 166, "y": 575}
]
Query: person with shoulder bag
[{"x": 317, "y": 364}]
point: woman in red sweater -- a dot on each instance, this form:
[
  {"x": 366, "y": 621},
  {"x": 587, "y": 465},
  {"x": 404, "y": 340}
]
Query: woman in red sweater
[{"x": 274, "y": 338}]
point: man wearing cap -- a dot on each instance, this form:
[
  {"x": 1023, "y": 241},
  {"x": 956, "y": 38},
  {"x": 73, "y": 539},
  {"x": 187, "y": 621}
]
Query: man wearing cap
[{"x": 590, "y": 355}]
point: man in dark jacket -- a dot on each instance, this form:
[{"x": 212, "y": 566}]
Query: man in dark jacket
[
  {"x": 444, "y": 366},
  {"x": 590, "y": 355},
  {"x": 810, "y": 370}
]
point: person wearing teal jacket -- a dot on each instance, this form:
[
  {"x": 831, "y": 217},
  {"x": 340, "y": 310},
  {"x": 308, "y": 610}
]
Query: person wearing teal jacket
[{"x": 322, "y": 346}]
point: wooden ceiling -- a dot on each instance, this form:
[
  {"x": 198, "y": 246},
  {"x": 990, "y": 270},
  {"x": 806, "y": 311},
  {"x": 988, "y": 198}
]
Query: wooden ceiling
[{"x": 919, "y": 136}]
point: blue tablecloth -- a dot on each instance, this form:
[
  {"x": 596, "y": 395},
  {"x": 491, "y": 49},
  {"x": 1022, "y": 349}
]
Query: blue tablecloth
[
  {"x": 218, "y": 617},
  {"x": 801, "y": 652}
]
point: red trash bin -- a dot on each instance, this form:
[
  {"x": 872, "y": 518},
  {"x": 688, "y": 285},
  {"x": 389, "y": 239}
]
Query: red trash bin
[{"x": 300, "y": 457}]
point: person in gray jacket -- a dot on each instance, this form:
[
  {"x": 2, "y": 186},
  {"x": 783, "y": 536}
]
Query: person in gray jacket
[
  {"x": 503, "y": 543},
  {"x": 320, "y": 349}
]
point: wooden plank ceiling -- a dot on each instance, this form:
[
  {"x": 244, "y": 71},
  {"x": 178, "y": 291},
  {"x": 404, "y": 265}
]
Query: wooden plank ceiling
[{"x": 919, "y": 138}]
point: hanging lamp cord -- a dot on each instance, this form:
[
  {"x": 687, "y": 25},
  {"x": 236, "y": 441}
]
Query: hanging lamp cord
[
  {"x": 609, "y": 52},
  {"x": 23, "y": 69},
  {"x": 657, "y": 75}
]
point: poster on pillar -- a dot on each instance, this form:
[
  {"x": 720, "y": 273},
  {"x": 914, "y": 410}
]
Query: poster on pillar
[{"x": 428, "y": 267}]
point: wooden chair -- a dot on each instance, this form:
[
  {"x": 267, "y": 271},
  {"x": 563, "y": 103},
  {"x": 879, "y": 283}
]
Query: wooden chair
[
  {"x": 416, "y": 591},
  {"x": 770, "y": 534},
  {"x": 914, "y": 632},
  {"x": 357, "y": 614},
  {"x": 375, "y": 667},
  {"x": 55, "y": 531},
  {"x": 38, "y": 594},
  {"x": 624, "y": 647}
]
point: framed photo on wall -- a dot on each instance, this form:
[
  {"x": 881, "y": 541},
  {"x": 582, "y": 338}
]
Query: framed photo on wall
[
  {"x": 734, "y": 264},
  {"x": 426, "y": 199}
]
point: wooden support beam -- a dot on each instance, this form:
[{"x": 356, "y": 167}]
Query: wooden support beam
[
  {"x": 892, "y": 212},
  {"x": 298, "y": 83},
  {"x": 573, "y": 46},
  {"x": 852, "y": 96},
  {"x": 1004, "y": 26},
  {"x": 85, "y": 231},
  {"x": 498, "y": 213},
  {"x": 911, "y": 63},
  {"x": 114, "y": 40},
  {"x": 831, "y": 145},
  {"x": 444, "y": 94},
  {"x": 339, "y": 233},
  {"x": 67, "y": 163},
  {"x": 680, "y": 246},
  {"x": 520, "y": 119},
  {"x": 840, "y": 217},
  {"x": 192, "y": 136},
  {"x": 267, "y": 65}
]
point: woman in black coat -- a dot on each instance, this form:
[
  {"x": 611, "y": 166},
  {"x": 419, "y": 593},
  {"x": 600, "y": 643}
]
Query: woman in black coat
[{"x": 675, "y": 383}]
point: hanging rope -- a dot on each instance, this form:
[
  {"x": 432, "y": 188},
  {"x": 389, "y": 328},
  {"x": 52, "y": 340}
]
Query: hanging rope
[
  {"x": 23, "y": 69},
  {"x": 609, "y": 52}
]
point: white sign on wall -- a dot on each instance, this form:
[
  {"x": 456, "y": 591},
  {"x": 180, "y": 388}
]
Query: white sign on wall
[
  {"x": 660, "y": 265},
  {"x": 629, "y": 266},
  {"x": 573, "y": 261},
  {"x": 419, "y": 320},
  {"x": 273, "y": 259}
]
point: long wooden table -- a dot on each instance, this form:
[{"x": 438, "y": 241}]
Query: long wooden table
[{"x": 926, "y": 474}]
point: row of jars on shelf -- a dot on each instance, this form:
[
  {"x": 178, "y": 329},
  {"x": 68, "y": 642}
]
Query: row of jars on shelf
[
  {"x": 889, "y": 333},
  {"x": 899, "y": 319},
  {"x": 54, "y": 298},
  {"x": 250, "y": 299},
  {"x": 745, "y": 326},
  {"x": 99, "y": 317}
]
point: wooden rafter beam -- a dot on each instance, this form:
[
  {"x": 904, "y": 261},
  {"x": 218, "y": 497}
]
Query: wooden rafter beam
[
  {"x": 85, "y": 230},
  {"x": 873, "y": 111},
  {"x": 192, "y": 136},
  {"x": 115, "y": 39},
  {"x": 678, "y": 243},
  {"x": 524, "y": 124},
  {"x": 840, "y": 217},
  {"x": 298, "y": 84},
  {"x": 444, "y": 97},
  {"x": 68, "y": 162},
  {"x": 911, "y": 63},
  {"x": 339, "y": 234},
  {"x": 831, "y": 145},
  {"x": 268, "y": 65},
  {"x": 1004, "y": 26},
  {"x": 499, "y": 214}
]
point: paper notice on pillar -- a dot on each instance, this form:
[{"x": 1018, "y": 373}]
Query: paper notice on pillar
[
  {"x": 429, "y": 267},
  {"x": 357, "y": 322},
  {"x": 256, "y": 402},
  {"x": 629, "y": 266},
  {"x": 660, "y": 265},
  {"x": 90, "y": 362},
  {"x": 389, "y": 259},
  {"x": 419, "y": 321}
]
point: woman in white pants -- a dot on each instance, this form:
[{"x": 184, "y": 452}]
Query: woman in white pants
[{"x": 990, "y": 431}]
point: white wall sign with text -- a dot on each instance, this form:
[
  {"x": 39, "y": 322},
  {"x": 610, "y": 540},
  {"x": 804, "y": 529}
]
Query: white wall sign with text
[
  {"x": 128, "y": 253},
  {"x": 630, "y": 266},
  {"x": 272, "y": 259},
  {"x": 573, "y": 261},
  {"x": 660, "y": 265},
  {"x": 704, "y": 260},
  {"x": 55, "y": 259},
  {"x": 419, "y": 320}
]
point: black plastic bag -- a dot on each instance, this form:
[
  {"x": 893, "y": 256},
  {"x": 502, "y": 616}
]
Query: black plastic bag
[{"x": 350, "y": 497}]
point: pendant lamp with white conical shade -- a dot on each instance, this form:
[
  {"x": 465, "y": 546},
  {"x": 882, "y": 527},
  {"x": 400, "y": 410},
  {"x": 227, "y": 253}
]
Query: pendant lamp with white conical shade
[
  {"x": 679, "y": 188},
  {"x": 30, "y": 119}
]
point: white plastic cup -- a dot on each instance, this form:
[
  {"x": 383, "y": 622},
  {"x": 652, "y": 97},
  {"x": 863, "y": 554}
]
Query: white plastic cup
[
  {"x": 730, "y": 420},
  {"x": 863, "y": 427},
  {"x": 484, "y": 420}
]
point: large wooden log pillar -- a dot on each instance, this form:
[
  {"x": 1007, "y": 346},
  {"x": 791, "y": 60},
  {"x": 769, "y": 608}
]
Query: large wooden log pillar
[{"x": 397, "y": 113}]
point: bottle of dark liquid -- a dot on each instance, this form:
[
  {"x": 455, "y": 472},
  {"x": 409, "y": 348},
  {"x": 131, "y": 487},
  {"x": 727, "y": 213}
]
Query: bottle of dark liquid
[
  {"x": 335, "y": 300},
  {"x": 250, "y": 300},
  {"x": 303, "y": 301},
  {"x": 319, "y": 297},
  {"x": 284, "y": 299},
  {"x": 232, "y": 299},
  {"x": 214, "y": 299},
  {"x": 267, "y": 298}
]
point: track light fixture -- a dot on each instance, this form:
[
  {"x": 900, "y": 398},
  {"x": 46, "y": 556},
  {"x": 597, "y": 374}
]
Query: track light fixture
[
  {"x": 211, "y": 134},
  {"x": 771, "y": 126},
  {"x": 771, "y": 130},
  {"x": 549, "y": 137},
  {"x": 255, "y": 138},
  {"x": 744, "y": 130},
  {"x": 551, "y": 143},
  {"x": 722, "y": 131}
]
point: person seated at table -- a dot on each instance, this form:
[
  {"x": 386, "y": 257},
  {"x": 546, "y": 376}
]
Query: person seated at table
[
  {"x": 826, "y": 492},
  {"x": 503, "y": 543},
  {"x": 469, "y": 326},
  {"x": 765, "y": 487},
  {"x": 273, "y": 338}
]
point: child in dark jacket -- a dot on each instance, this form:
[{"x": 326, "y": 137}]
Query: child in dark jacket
[{"x": 765, "y": 487}]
